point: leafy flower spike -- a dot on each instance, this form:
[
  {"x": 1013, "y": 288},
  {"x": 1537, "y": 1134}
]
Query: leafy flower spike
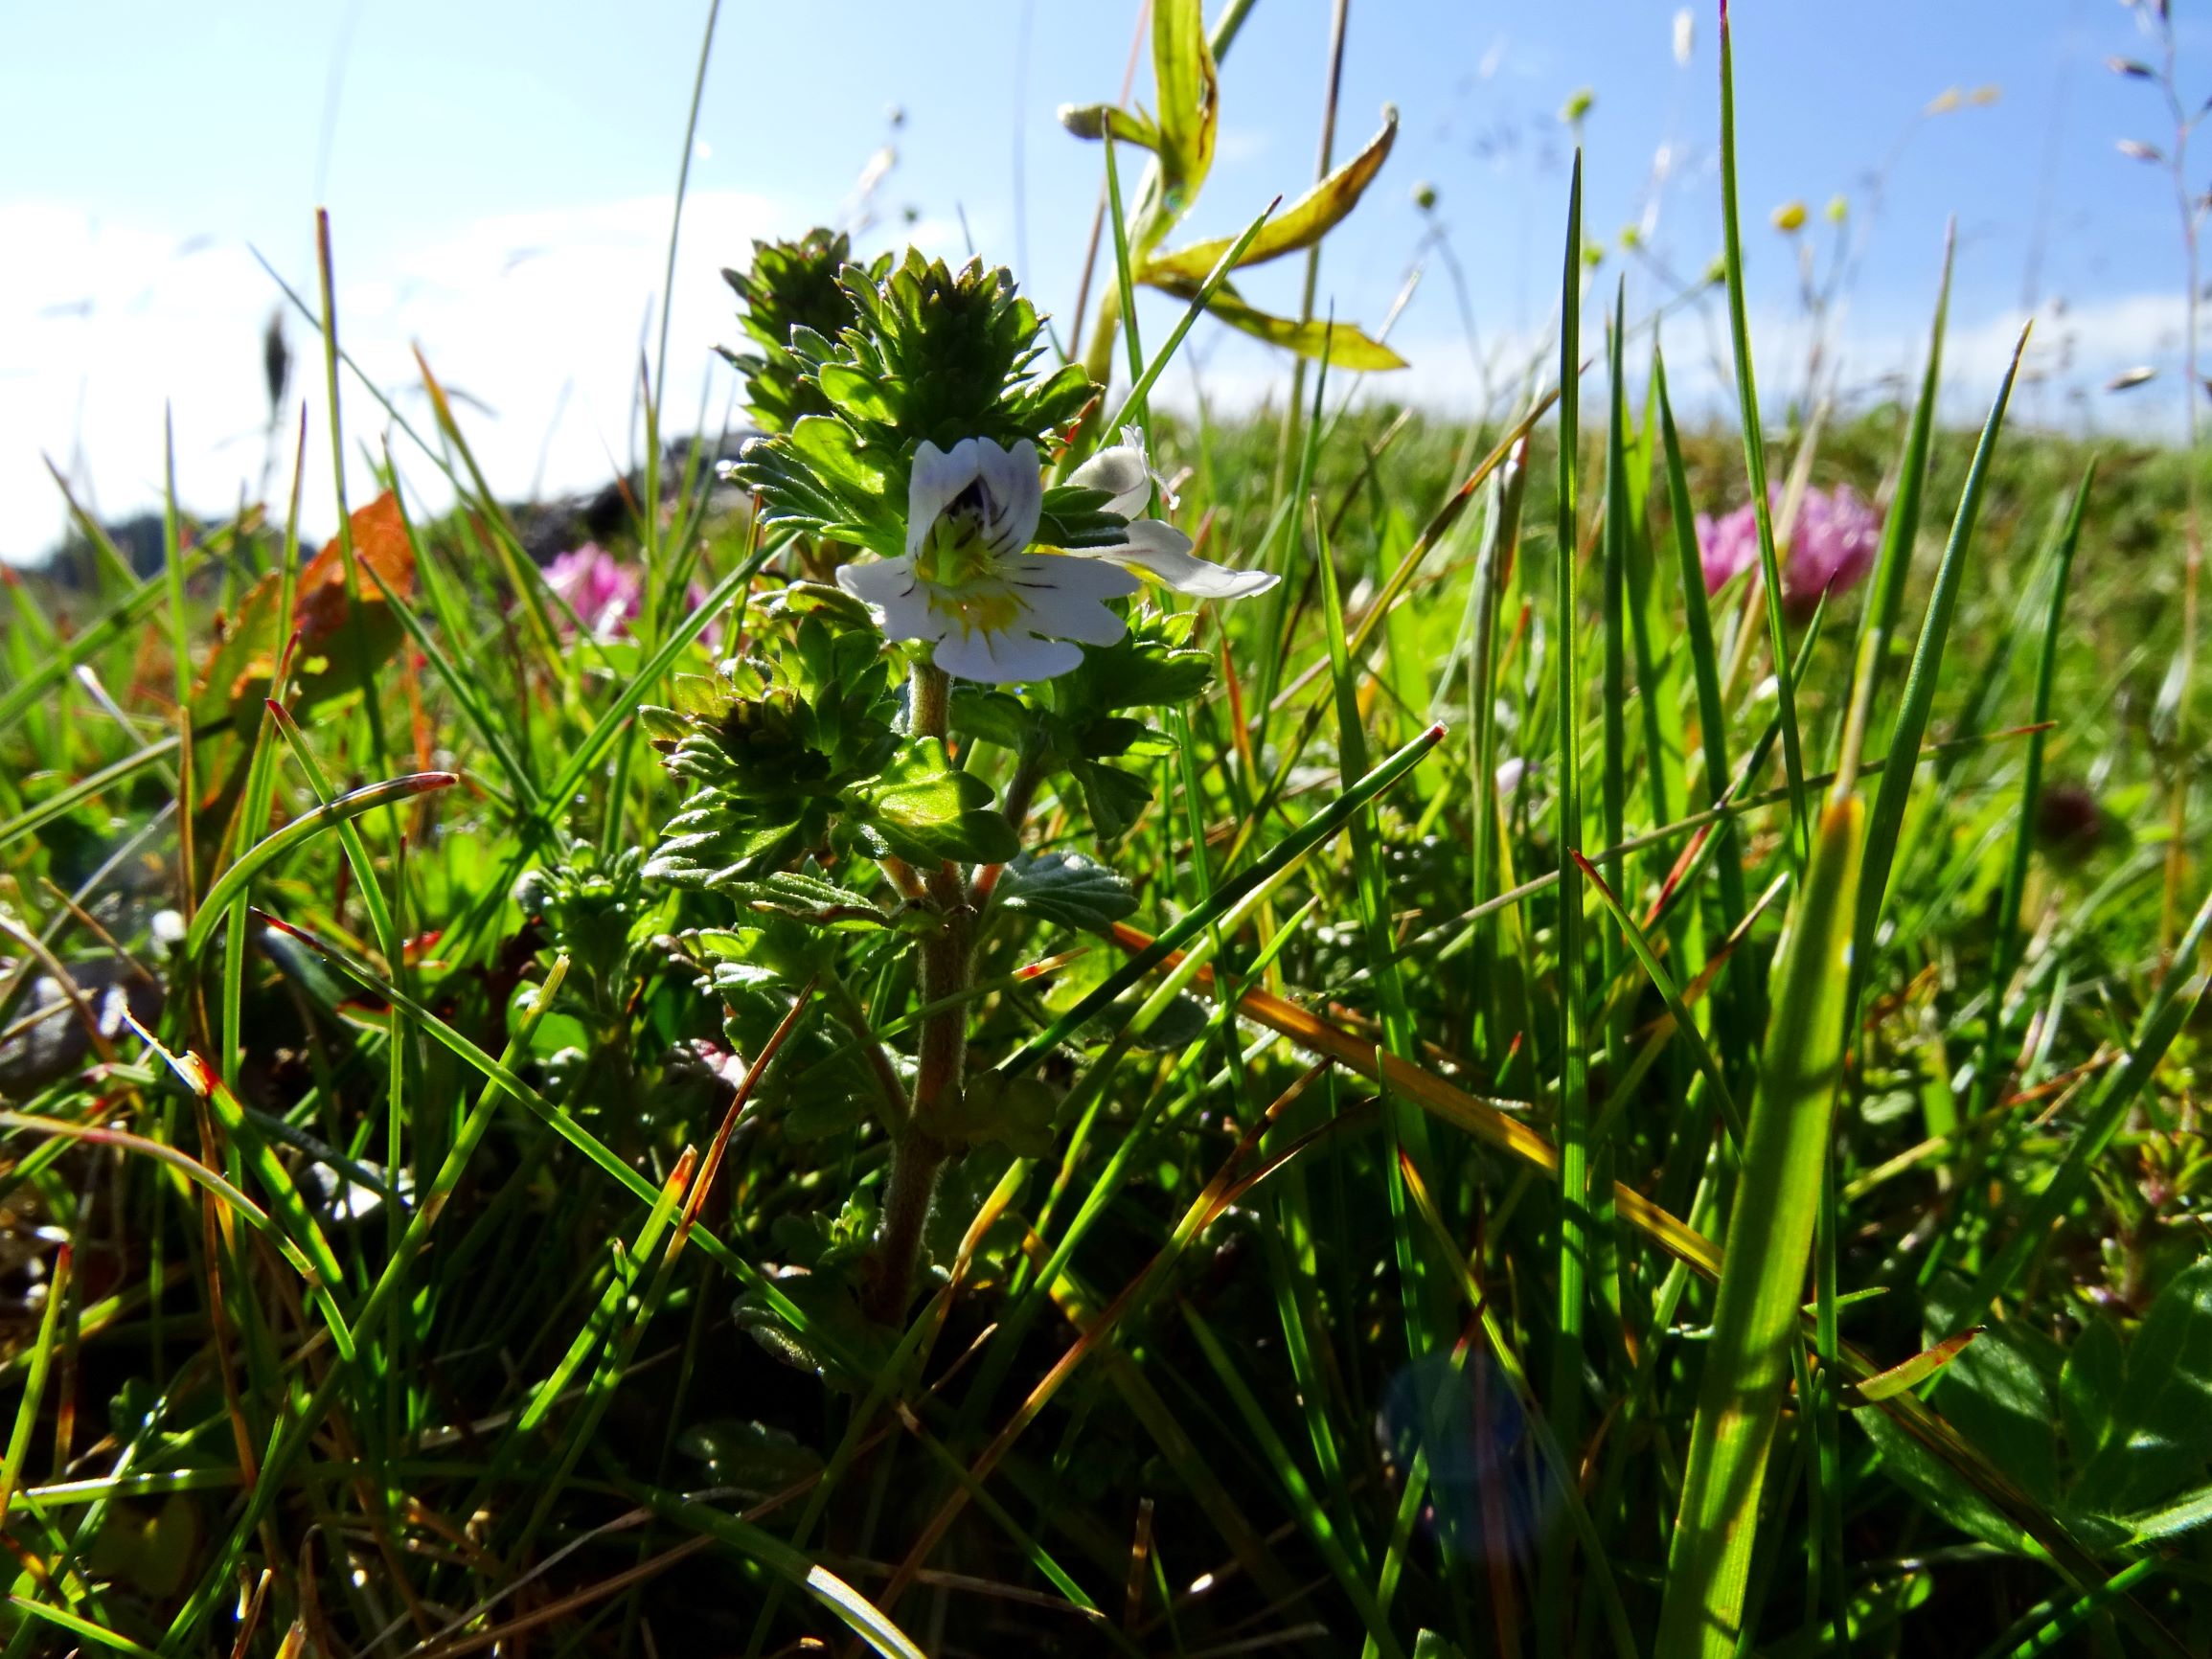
[{"x": 995, "y": 610}]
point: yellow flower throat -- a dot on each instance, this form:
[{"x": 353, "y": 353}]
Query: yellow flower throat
[{"x": 961, "y": 571}]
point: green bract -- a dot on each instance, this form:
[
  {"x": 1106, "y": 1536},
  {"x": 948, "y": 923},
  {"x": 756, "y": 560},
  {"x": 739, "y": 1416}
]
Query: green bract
[
  {"x": 1082, "y": 727},
  {"x": 589, "y": 905},
  {"x": 768, "y": 747},
  {"x": 928, "y": 354},
  {"x": 795, "y": 746},
  {"x": 791, "y": 285}
]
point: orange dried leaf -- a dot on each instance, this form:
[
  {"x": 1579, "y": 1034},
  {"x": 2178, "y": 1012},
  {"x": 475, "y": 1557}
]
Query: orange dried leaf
[{"x": 379, "y": 542}]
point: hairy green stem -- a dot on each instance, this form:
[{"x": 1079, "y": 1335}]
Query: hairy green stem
[
  {"x": 917, "y": 1160},
  {"x": 917, "y": 1154},
  {"x": 930, "y": 701}
]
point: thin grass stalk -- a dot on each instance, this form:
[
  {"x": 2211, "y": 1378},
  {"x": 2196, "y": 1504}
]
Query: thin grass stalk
[
  {"x": 1408, "y": 1131},
  {"x": 1755, "y": 457},
  {"x": 173, "y": 569},
  {"x": 1493, "y": 568},
  {"x": 1563, "y": 1404},
  {"x": 347, "y": 564},
  {"x": 1310, "y": 286},
  {"x": 1313, "y": 1516},
  {"x": 1613, "y": 784},
  {"x": 253, "y": 813},
  {"x": 1737, "y": 1005}
]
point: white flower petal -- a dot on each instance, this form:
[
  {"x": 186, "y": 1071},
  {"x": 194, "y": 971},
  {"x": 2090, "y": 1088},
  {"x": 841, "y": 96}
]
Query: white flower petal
[
  {"x": 1070, "y": 614},
  {"x": 889, "y": 588},
  {"x": 1122, "y": 473},
  {"x": 1000, "y": 659},
  {"x": 1015, "y": 485},
  {"x": 878, "y": 579},
  {"x": 1135, "y": 437},
  {"x": 938, "y": 477},
  {"x": 1070, "y": 574},
  {"x": 1163, "y": 553}
]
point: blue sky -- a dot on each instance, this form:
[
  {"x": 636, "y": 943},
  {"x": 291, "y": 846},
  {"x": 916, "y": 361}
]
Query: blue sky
[{"x": 499, "y": 179}]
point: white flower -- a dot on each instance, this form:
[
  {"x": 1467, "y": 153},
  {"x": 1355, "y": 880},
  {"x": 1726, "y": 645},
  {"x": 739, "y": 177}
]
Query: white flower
[
  {"x": 1125, "y": 472},
  {"x": 992, "y": 608},
  {"x": 1153, "y": 545}
]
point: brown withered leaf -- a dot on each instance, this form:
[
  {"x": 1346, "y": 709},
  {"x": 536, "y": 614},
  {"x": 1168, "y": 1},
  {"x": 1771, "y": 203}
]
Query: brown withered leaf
[
  {"x": 334, "y": 657},
  {"x": 380, "y": 541}
]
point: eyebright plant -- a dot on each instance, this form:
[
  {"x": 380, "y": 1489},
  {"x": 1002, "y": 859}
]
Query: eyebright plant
[
  {"x": 854, "y": 818},
  {"x": 932, "y": 407}
]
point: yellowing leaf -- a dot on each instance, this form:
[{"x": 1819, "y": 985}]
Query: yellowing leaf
[
  {"x": 1300, "y": 225},
  {"x": 1914, "y": 1372},
  {"x": 380, "y": 542},
  {"x": 333, "y": 659},
  {"x": 1347, "y": 348},
  {"x": 1190, "y": 94}
]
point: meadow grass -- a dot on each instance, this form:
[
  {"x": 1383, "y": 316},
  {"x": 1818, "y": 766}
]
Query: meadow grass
[{"x": 1619, "y": 1121}]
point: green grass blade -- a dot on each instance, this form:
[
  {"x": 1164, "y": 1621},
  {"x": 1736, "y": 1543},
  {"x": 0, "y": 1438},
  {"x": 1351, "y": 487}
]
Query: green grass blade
[
  {"x": 66, "y": 801},
  {"x": 99, "y": 1636},
  {"x": 1408, "y": 1129},
  {"x": 867, "y": 1620},
  {"x": 1295, "y": 846},
  {"x": 1738, "y": 1010},
  {"x": 468, "y": 694},
  {"x": 381, "y": 926},
  {"x": 1133, "y": 406},
  {"x": 34, "y": 1382},
  {"x": 356, "y": 624},
  {"x": 2180, "y": 989},
  {"x": 1770, "y": 1238},
  {"x": 233, "y": 881},
  {"x": 1313, "y": 1516},
  {"x": 1124, "y": 280},
  {"x": 1614, "y": 785},
  {"x": 1685, "y": 1023},
  {"x": 243, "y": 1207},
  {"x": 1562, "y": 1471},
  {"x": 123, "y": 618},
  {"x": 2004, "y": 949},
  {"x": 1895, "y": 790},
  {"x": 1901, "y": 528},
  {"x": 1564, "y": 1401}
]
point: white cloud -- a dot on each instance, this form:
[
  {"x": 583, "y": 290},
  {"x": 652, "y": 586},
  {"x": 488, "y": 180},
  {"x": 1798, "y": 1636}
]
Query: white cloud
[{"x": 538, "y": 323}]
